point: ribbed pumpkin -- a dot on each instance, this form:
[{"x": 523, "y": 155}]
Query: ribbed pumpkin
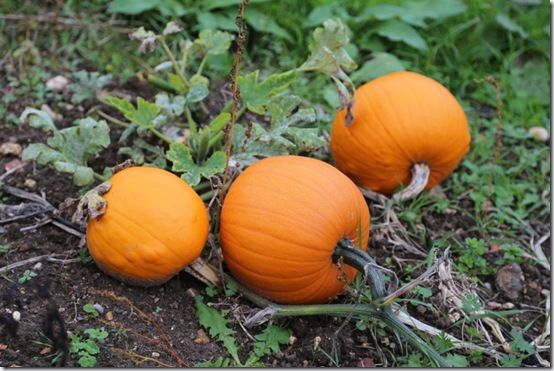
[
  {"x": 154, "y": 225},
  {"x": 397, "y": 121},
  {"x": 280, "y": 223}
]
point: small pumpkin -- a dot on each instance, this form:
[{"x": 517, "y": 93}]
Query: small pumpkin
[
  {"x": 403, "y": 128},
  {"x": 281, "y": 221},
  {"x": 154, "y": 225}
]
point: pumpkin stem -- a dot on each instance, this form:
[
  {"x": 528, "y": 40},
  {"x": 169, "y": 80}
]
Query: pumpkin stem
[
  {"x": 420, "y": 178},
  {"x": 364, "y": 263}
]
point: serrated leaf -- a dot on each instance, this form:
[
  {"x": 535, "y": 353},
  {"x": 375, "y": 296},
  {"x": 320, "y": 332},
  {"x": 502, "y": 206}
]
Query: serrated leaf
[
  {"x": 143, "y": 115},
  {"x": 269, "y": 341},
  {"x": 216, "y": 324},
  {"x": 519, "y": 344},
  {"x": 213, "y": 42},
  {"x": 136, "y": 154},
  {"x": 307, "y": 139},
  {"x": 456, "y": 360},
  {"x": 69, "y": 149},
  {"x": 181, "y": 157},
  {"x": 399, "y": 31},
  {"x": 199, "y": 88},
  {"x": 87, "y": 84},
  {"x": 381, "y": 64},
  {"x": 38, "y": 119},
  {"x": 173, "y": 106},
  {"x": 257, "y": 95}
]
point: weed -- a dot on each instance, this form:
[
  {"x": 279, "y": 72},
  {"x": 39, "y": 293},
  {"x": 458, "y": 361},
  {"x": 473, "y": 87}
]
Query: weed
[
  {"x": 27, "y": 276},
  {"x": 84, "y": 346}
]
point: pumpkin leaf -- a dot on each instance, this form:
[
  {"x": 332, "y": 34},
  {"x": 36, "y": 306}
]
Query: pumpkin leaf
[
  {"x": 263, "y": 23},
  {"x": 143, "y": 115},
  {"x": 283, "y": 136},
  {"x": 69, "y": 149},
  {"x": 256, "y": 95},
  {"x": 216, "y": 324},
  {"x": 199, "y": 88},
  {"x": 192, "y": 173},
  {"x": 210, "y": 42},
  {"x": 328, "y": 55},
  {"x": 87, "y": 84}
]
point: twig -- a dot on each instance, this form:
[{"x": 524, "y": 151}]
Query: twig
[
  {"x": 138, "y": 358},
  {"x": 242, "y": 34},
  {"x": 13, "y": 170},
  {"x": 165, "y": 343},
  {"x": 49, "y": 257}
]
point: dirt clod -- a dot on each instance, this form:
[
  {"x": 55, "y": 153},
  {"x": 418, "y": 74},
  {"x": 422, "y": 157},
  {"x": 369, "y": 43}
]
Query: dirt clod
[{"x": 509, "y": 281}]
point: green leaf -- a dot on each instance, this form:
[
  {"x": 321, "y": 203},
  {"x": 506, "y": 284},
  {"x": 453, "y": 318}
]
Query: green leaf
[
  {"x": 131, "y": 7},
  {"x": 210, "y": 42},
  {"x": 89, "y": 309},
  {"x": 399, "y": 31},
  {"x": 4, "y": 249},
  {"x": 99, "y": 334},
  {"x": 269, "y": 341},
  {"x": 183, "y": 163},
  {"x": 207, "y": 20},
  {"x": 381, "y": 64},
  {"x": 519, "y": 344},
  {"x": 87, "y": 84},
  {"x": 456, "y": 360},
  {"x": 69, "y": 149},
  {"x": 38, "y": 119},
  {"x": 87, "y": 360},
  {"x": 510, "y": 25},
  {"x": 264, "y": 23},
  {"x": 257, "y": 95},
  {"x": 199, "y": 88},
  {"x": 216, "y": 324},
  {"x": 142, "y": 116}
]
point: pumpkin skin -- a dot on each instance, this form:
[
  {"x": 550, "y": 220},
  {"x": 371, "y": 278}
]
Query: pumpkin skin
[
  {"x": 280, "y": 223},
  {"x": 154, "y": 225},
  {"x": 399, "y": 120}
]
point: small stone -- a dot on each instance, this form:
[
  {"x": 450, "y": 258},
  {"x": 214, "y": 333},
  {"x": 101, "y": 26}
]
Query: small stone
[
  {"x": 156, "y": 300},
  {"x": 37, "y": 266},
  {"x": 3, "y": 346},
  {"x": 453, "y": 317},
  {"x": 508, "y": 306},
  {"x": 494, "y": 305},
  {"x": 13, "y": 164},
  {"x": 99, "y": 308},
  {"x": 16, "y": 316},
  {"x": 30, "y": 183},
  {"x": 45, "y": 350},
  {"x": 421, "y": 309},
  {"x": 201, "y": 337},
  {"x": 317, "y": 341},
  {"x": 10, "y": 148},
  {"x": 509, "y": 281},
  {"x": 155, "y": 354},
  {"x": 109, "y": 316},
  {"x": 292, "y": 339},
  {"x": 57, "y": 83},
  {"x": 539, "y": 133}
]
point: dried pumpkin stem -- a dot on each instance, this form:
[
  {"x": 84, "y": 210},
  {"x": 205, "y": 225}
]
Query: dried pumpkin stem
[{"x": 420, "y": 178}]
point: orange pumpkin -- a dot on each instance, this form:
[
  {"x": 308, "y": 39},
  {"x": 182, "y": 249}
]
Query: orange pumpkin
[
  {"x": 280, "y": 223},
  {"x": 154, "y": 225},
  {"x": 398, "y": 121}
]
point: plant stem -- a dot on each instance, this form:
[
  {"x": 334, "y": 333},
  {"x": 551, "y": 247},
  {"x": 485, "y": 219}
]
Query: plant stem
[
  {"x": 192, "y": 124},
  {"x": 208, "y": 195},
  {"x": 112, "y": 119},
  {"x": 99, "y": 177},
  {"x": 202, "y": 64},
  {"x": 157, "y": 133},
  {"x": 364, "y": 263},
  {"x": 173, "y": 62},
  {"x": 161, "y": 84}
]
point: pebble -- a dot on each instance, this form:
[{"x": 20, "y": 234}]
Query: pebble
[
  {"x": 509, "y": 281},
  {"x": 109, "y": 316},
  {"x": 3, "y": 346},
  {"x": 99, "y": 308},
  {"x": 317, "y": 341},
  {"x": 539, "y": 133},
  {"x": 16, "y": 316},
  {"x": 57, "y": 83},
  {"x": 10, "y": 165},
  {"x": 37, "y": 266},
  {"x": 30, "y": 183},
  {"x": 9, "y": 148},
  {"x": 201, "y": 337},
  {"x": 155, "y": 354},
  {"x": 45, "y": 350}
]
